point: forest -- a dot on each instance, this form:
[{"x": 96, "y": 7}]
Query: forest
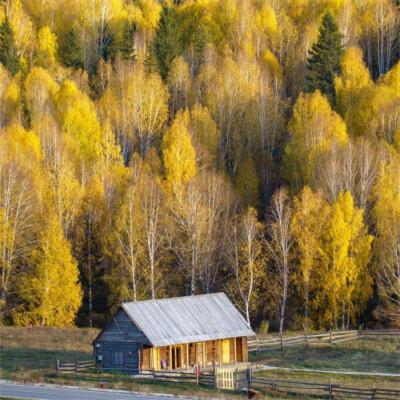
[{"x": 153, "y": 148}]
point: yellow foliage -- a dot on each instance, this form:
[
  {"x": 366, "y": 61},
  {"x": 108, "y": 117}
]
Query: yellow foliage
[
  {"x": 179, "y": 82},
  {"x": 271, "y": 63},
  {"x": 392, "y": 80},
  {"x": 21, "y": 23},
  {"x": 353, "y": 80},
  {"x": 83, "y": 134},
  {"x": 47, "y": 48},
  {"x": 178, "y": 155},
  {"x": 345, "y": 253},
  {"x": 315, "y": 129},
  {"x": 266, "y": 21},
  {"x": 50, "y": 289},
  {"x": 149, "y": 16},
  {"x": 205, "y": 135},
  {"x": 377, "y": 113},
  {"x": 10, "y": 97},
  {"x": 386, "y": 213},
  {"x": 40, "y": 89},
  {"x": 21, "y": 146},
  {"x": 310, "y": 214}
]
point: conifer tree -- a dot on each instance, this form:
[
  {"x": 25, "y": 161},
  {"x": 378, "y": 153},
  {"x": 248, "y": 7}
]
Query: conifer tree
[
  {"x": 8, "y": 50},
  {"x": 51, "y": 291},
  {"x": 323, "y": 63},
  {"x": 127, "y": 48},
  {"x": 167, "y": 42},
  {"x": 70, "y": 50}
]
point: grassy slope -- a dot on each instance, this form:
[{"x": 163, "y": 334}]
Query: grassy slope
[
  {"x": 366, "y": 355},
  {"x": 30, "y": 354}
]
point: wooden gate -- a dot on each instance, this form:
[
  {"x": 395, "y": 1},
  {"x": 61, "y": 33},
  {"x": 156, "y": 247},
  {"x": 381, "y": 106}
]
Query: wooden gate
[{"x": 233, "y": 377}]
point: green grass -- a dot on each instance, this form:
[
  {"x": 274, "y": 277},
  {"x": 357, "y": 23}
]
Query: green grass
[
  {"x": 356, "y": 381},
  {"x": 365, "y": 355},
  {"x": 8, "y": 398}
]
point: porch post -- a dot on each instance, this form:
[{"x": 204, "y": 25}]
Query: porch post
[
  {"x": 170, "y": 358},
  {"x": 221, "y": 350},
  {"x": 234, "y": 344},
  {"x": 187, "y": 355}
]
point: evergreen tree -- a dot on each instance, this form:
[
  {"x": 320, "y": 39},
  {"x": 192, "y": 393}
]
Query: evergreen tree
[
  {"x": 167, "y": 42},
  {"x": 127, "y": 48},
  {"x": 323, "y": 63},
  {"x": 8, "y": 50},
  {"x": 70, "y": 50}
]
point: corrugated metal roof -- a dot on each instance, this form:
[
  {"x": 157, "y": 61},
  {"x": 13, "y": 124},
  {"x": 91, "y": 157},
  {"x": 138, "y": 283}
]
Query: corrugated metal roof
[{"x": 187, "y": 319}]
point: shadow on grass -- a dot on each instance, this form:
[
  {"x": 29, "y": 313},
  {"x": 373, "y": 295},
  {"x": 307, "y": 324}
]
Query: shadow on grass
[{"x": 16, "y": 362}]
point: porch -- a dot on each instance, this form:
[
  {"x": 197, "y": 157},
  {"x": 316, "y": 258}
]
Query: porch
[{"x": 206, "y": 354}]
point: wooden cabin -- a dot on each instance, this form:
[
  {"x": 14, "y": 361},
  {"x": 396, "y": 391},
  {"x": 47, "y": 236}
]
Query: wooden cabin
[{"x": 171, "y": 334}]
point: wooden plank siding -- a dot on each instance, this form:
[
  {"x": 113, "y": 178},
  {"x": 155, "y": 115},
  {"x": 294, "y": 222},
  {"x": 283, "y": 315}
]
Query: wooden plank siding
[
  {"x": 120, "y": 340},
  {"x": 121, "y": 328}
]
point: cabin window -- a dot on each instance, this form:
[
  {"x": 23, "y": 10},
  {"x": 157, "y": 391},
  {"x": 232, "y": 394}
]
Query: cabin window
[{"x": 119, "y": 358}]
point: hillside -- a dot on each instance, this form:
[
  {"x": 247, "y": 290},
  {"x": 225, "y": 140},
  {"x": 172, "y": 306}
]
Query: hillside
[{"x": 153, "y": 149}]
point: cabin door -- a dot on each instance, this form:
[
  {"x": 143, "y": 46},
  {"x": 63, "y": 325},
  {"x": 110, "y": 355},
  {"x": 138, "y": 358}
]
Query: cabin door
[
  {"x": 176, "y": 357},
  {"x": 226, "y": 352}
]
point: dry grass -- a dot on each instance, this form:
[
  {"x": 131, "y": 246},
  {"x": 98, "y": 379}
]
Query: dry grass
[
  {"x": 31, "y": 353},
  {"x": 71, "y": 339}
]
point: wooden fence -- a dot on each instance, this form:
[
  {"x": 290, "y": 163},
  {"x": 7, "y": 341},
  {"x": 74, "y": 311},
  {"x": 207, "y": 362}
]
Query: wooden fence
[
  {"x": 204, "y": 378},
  {"x": 74, "y": 367},
  {"x": 330, "y": 337},
  {"x": 325, "y": 390}
]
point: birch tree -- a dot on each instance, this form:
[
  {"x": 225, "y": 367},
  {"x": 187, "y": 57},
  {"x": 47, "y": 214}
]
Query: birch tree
[
  {"x": 279, "y": 244},
  {"x": 246, "y": 257}
]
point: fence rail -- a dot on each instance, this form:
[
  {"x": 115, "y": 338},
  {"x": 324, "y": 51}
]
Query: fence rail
[
  {"x": 319, "y": 338},
  {"x": 203, "y": 378},
  {"x": 74, "y": 367},
  {"x": 329, "y": 390}
]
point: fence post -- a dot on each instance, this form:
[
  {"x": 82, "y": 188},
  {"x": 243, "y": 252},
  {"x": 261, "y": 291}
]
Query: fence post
[
  {"x": 305, "y": 333},
  {"x": 281, "y": 341},
  {"x": 330, "y": 390},
  {"x": 359, "y": 331},
  {"x": 273, "y": 384},
  {"x": 373, "y": 392},
  {"x": 330, "y": 335},
  {"x": 57, "y": 367},
  {"x": 76, "y": 368}
]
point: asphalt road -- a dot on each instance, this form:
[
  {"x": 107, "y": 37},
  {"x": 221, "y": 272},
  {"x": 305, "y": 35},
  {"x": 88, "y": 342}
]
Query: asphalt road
[{"x": 62, "y": 393}]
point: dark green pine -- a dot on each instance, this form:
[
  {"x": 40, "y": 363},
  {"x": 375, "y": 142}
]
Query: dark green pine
[
  {"x": 8, "y": 49},
  {"x": 127, "y": 47},
  {"x": 323, "y": 63},
  {"x": 70, "y": 51},
  {"x": 167, "y": 42}
]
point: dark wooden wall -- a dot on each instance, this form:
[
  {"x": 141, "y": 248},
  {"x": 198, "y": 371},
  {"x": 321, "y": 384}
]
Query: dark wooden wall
[{"x": 120, "y": 335}]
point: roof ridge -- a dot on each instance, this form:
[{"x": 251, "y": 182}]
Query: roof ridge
[{"x": 174, "y": 298}]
